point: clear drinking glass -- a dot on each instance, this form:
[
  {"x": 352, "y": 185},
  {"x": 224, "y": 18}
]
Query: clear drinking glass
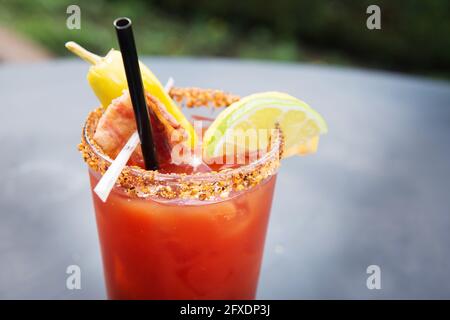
[{"x": 175, "y": 236}]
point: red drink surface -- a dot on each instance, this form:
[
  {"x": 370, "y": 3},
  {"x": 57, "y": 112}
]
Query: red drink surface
[{"x": 183, "y": 250}]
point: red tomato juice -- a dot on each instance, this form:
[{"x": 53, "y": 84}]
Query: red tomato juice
[{"x": 183, "y": 249}]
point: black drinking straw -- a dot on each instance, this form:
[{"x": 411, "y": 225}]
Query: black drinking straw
[{"x": 136, "y": 89}]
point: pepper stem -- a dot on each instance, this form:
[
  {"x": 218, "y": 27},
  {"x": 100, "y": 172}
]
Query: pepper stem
[{"x": 83, "y": 53}]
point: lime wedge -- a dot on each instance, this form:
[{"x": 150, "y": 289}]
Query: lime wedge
[{"x": 301, "y": 125}]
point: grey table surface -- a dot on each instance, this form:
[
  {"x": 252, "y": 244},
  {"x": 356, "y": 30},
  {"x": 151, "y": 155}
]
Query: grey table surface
[{"x": 376, "y": 193}]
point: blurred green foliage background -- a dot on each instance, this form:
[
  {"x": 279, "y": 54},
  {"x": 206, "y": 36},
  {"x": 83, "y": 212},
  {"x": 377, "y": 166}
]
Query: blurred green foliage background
[{"x": 414, "y": 37}]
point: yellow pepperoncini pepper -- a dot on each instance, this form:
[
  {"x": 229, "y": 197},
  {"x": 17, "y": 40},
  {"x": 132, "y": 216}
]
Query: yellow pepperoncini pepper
[{"x": 107, "y": 78}]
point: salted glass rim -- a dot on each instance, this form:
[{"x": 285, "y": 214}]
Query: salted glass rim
[{"x": 272, "y": 154}]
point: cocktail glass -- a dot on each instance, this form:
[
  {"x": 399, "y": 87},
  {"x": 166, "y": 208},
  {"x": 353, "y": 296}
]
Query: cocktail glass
[{"x": 176, "y": 236}]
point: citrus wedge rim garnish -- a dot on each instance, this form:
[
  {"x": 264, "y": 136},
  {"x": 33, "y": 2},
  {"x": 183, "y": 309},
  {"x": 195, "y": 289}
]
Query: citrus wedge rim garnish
[{"x": 301, "y": 125}]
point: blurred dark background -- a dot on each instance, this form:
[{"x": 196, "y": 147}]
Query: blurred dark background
[{"x": 414, "y": 37}]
